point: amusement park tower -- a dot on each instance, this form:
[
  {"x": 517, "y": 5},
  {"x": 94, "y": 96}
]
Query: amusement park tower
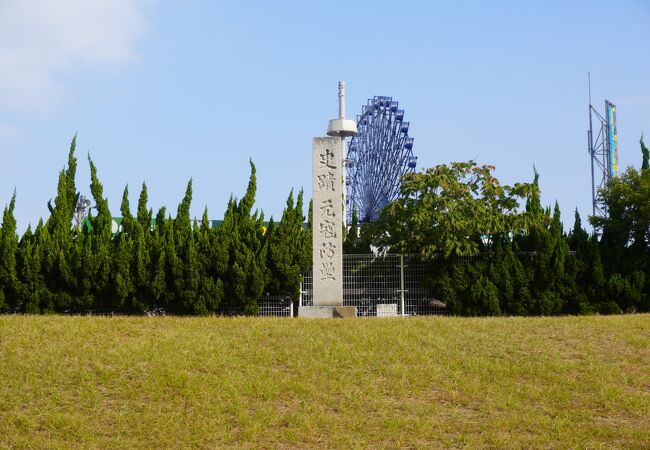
[{"x": 343, "y": 128}]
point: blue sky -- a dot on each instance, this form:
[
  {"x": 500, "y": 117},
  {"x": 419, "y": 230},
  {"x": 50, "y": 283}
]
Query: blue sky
[{"x": 161, "y": 91}]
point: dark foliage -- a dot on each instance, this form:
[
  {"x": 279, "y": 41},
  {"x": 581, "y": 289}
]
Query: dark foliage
[{"x": 178, "y": 264}]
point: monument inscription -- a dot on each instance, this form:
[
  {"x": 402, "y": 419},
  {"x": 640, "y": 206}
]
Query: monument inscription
[{"x": 328, "y": 221}]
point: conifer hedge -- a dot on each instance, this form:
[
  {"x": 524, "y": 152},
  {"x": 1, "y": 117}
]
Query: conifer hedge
[{"x": 175, "y": 263}]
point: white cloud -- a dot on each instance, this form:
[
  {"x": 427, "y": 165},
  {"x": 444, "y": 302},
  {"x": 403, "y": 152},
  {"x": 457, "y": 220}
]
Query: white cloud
[{"x": 41, "y": 40}]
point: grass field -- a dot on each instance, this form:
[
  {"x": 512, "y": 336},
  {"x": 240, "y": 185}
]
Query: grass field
[{"x": 164, "y": 382}]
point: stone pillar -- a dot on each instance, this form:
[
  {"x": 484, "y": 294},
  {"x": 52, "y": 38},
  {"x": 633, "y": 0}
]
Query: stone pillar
[
  {"x": 328, "y": 218},
  {"x": 327, "y": 241}
]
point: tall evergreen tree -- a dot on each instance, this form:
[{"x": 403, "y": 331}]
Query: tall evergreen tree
[
  {"x": 242, "y": 234},
  {"x": 100, "y": 243},
  {"x": 185, "y": 265},
  {"x": 140, "y": 270},
  {"x": 144, "y": 214},
  {"x": 182, "y": 224},
  {"x": 645, "y": 164},
  {"x": 578, "y": 242},
  {"x": 286, "y": 252},
  {"x": 32, "y": 283},
  {"x": 158, "y": 285},
  {"x": 122, "y": 254},
  {"x": 173, "y": 270},
  {"x": 211, "y": 258},
  {"x": 128, "y": 221},
  {"x": 59, "y": 263},
  {"x": 352, "y": 236},
  {"x": 8, "y": 250}
]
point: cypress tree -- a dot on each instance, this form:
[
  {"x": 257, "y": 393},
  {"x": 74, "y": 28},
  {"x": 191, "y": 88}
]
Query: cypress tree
[
  {"x": 242, "y": 234},
  {"x": 351, "y": 238},
  {"x": 173, "y": 270},
  {"x": 307, "y": 259},
  {"x": 160, "y": 221},
  {"x": 42, "y": 244},
  {"x": 122, "y": 252},
  {"x": 29, "y": 271},
  {"x": 578, "y": 241},
  {"x": 8, "y": 250},
  {"x": 193, "y": 296},
  {"x": 158, "y": 285},
  {"x": 563, "y": 277},
  {"x": 100, "y": 239},
  {"x": 144, "y": 214},
  {"x": 140, "y": 270},
  {"x": 211, "y": 259},
  {"x": 645, "y": 164},
  {"x": 182, "y": 224},
  {"x": 500, "y": 270},
  {"x": 58, "y": 252},
  {"x": 285, "y": 250},
  {"x": 182, "y": 261},
  {"x": 128, "y": 221},
  {"x": 358, "y": 239},
  {"x": 70, "y": 174}
]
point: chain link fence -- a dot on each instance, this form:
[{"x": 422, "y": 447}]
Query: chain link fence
[{"x": 388, "y": 285}]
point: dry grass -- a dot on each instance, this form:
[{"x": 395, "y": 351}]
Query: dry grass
[{"x": 83, "y": 382}]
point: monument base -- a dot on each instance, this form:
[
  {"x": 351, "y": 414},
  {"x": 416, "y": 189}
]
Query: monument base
[{"x": 327, "y": 312}]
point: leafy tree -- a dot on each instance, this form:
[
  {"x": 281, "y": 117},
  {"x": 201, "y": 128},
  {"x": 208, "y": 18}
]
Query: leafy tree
[{"x": 447, "y": 208}]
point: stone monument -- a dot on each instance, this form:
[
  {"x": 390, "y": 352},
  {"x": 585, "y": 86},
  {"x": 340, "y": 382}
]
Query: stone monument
[{"x": 328, "y": 218}]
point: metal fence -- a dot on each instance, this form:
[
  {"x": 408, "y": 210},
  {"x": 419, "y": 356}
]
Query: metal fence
[
  {"x": 276, "y": 306},
  {"x": 270, "y": 305},
  {"x": 388, "y": 285}
]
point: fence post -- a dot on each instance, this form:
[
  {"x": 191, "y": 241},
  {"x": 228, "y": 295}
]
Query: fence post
[
  {"x": 401, "y": 281},
  {"x": 291, "y": 308}
]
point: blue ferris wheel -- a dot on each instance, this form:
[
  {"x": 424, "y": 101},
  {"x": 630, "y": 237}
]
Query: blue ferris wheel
[{"x": 377, "y": 157}]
